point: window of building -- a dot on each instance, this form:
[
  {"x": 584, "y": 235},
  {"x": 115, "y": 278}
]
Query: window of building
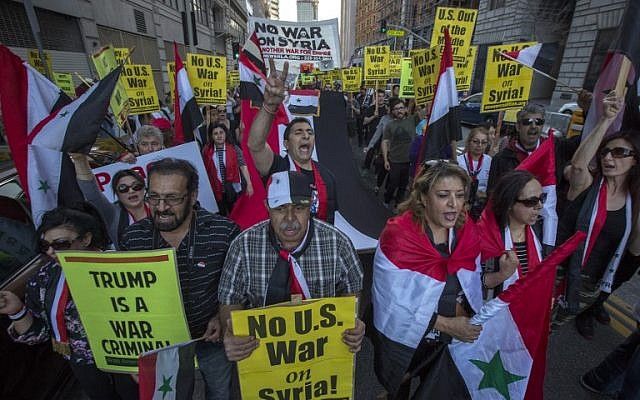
[
  {"x": 141, "y": 23},
  {"x": 598, "y": 54},
  {"x": 201, "y": 11},
  {"x": 171, "y": 3},
  {"x": 493, "y": 4}
]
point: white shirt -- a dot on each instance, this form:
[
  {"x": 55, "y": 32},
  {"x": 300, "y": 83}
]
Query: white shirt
[{"x": 483, "y": 175}]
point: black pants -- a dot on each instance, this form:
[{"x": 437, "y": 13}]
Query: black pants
[
  {"x": 98, "y": 385},
  {"x": 397, "y": 182}
]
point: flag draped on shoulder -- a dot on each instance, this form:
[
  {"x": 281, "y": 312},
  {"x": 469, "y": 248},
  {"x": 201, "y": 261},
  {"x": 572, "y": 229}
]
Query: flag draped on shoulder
[
  {"x": 540, "y": 56},
  {"x": 508, "y": 359},
  {"x": 626, "y": 46},
  {"x": 167, "y": 373},
  {"x": 72, "y": 128},
  {"x": 27, "y": 97},
  {"x": 443, "y": 126},
  {"x": 187, "y": 116}
]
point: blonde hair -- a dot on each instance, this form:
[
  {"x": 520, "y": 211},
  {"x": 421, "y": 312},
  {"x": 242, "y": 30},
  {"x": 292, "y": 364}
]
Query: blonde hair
[
  {"x": 472, "y": 133},
  {"x": 423, "y": 184}
]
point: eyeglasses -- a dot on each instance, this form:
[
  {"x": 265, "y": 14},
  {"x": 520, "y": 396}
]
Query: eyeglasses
[
  {"x": 617, "y": 152},
  {"x": 58, "y": 244},
  {"x": 529, "y": 121},
  {"x": 170, "y": 200},
  {"x": 482, "y": 142},
  {"x": 122, "y": 188},
  {"x": 533, "y": 201}
]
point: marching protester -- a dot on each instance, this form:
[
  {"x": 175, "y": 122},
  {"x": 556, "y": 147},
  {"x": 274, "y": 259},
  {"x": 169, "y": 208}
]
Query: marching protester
[
  {"x": 361, "y": 102},
  {"x": 299, "y": 140},
  {"x": 396, "y": 142},
  {"x": 128, "y": 187},
  {"x": 604, "y": 205},
  {"x": 426, "y": 281},
  {"x": 210, "y": 115},
  {"x": 477, "y": 164},
  {"x": 292, "y": 253},
  {"x": 373, "y": 114},
  {"x": 44, "y": 317},
  {"x": 201, "y": 241},
  {"x": 149, "y": 139},
  {"x": 225, "y": 165},
  {"x": 373, "y": 152}
]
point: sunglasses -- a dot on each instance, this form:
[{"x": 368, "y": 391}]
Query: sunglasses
[
  {"x": 122, "y": 188},
  {"x": 533, "y": 201},
  {"x": 617, "y": 152},
  {"x": 58, "y": 244},
  {"x": 529, "y": 121}
]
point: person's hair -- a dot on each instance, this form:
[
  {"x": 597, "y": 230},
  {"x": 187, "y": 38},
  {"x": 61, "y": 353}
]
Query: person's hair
[
  {"x": 530, "y": 108},
  {"x": 472, "y": 133},
  {"x": 506, "y": 193},
  {"x": 294, "y": 121},
  {"x": 424, "y": 182},
  {"x": 214, "y": 126},
  {"x": 395, "y": 86},
  {"x": 121, "y": 174},
  {"x": 171, "y": 166},
  {"x": 394, "y": 101},
  {"x": 82, "y": 218},
  {"x": 149, "y": 131},
  {"x": 205, "y": 109},
  {"x": 488, "y": 124},
  {"x": 380, "y": 91}
]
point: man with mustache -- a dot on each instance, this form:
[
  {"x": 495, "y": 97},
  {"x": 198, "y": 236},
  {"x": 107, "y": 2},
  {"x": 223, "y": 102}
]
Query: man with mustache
[
  {"x": 299, "y": 140},
  {"x": 291, "y": 253},
  {"x": 201, "y": 240}
]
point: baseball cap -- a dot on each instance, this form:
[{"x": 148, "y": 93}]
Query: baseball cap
[
  {"x": 161, "y": 123},
  {"x": 288, "y": 187}
]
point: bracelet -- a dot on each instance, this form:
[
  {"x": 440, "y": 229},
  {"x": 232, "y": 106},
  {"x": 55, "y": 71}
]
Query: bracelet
[
  {"x": 266, "y": 109},
  {"x": 19, "y": 315}
]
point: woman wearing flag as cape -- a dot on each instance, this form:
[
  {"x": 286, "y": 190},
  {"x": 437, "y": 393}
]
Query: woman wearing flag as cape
[
  {"x": 603, "y": 204},
  {"x": 426, "y": 280}
]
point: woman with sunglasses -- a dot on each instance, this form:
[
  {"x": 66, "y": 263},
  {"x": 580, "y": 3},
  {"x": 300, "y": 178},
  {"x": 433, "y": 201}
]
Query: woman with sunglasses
[
  {"x": 47, "y": 295},
  {"x": 128, "y": 188},
  {"x": 506, "y": 230},
  {"x": 603, "y": 203},
  {"x": 426, "y": 281},
  {"x": 477, "y": 164}
]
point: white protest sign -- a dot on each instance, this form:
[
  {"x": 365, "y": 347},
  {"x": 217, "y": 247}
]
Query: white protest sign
[
  {"x": 311, "y": 42},
  {"x": 188, "y": 151}
]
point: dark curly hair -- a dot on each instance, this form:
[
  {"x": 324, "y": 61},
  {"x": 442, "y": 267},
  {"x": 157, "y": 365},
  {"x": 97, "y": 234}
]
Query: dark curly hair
[{"x": 83, "y": 218}]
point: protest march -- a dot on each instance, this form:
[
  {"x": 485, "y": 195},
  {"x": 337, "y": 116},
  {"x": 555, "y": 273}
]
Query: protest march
[{"x": 277, "y": 221}]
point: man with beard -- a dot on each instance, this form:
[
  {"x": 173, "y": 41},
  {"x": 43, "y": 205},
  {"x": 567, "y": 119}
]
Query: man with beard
[
  {"x": 299, "y": 140},
  {"x": 289, "y": 254},
  {"x": 201, "y": 240}
]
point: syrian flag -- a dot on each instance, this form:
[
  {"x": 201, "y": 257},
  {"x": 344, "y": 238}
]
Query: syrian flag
[
  {"x": 508, "y": 360},
  {"x": 27, "y": 97},
  {"x": 72, "y": 128},
  {"x": 626, "y": 46},
  {"x": 187, "y": 116},
  {"x": 540, "y": 56},
  {"x": 167, "y": 373},
  {"x": 542, "y": 164},
  {"x": 443, "y": 126}
]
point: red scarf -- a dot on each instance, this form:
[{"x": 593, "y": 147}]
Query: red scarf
[
  {"x": 60, "y": 339},
  {"x": 598, "y": 221},
  {"x": 232, "y": 170},
  {"x": 296, "y": 278},
  {"x": 132, "y": 220},
  {"x": 519, "y": 151},
  {"x": 406, "y": 243},
  {"x": 473, "y": 172},
  {"x": 320, "y": 188}
]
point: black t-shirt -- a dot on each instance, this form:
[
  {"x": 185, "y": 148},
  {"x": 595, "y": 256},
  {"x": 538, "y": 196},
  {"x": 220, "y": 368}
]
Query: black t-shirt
[
  {"x": 370, "y": 111},
  {"x": 282, "y": 164}
]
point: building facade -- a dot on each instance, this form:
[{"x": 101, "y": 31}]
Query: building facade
[
  {"x": 72, "y": 30},
  {"x": 307, "y": 10},
  {"x": 272, "y": 9},
  {"x": 347, "y": 32}
]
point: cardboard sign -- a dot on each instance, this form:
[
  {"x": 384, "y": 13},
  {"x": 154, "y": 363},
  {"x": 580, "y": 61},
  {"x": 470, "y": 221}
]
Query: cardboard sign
[
  {"x": 426, "y": 66},
  {"x": 207, "y": 75},
  {"x": 351, "y": 79},
  {"x": 506, "y": 83},
  {"x": 129, "y": 303},
  {"x": 395, "y": 68},
  {"x": 36, "y": 62},
  {"x": 171, "y": 72},
  {"x": 141, "y": 88},
  {"x": 301, "y": 353},
  {"x": 233, "y": 79},
  {"x": 65, "y": 82},
  {"x": 406, "y": 79},
  {"x": 464, "y": 70},
  {"x": 105, "y": 61},
  {"x": 376, "y": 62},
  {"x": 461, "y": 23},
  {"x": 122, "y": 55}
]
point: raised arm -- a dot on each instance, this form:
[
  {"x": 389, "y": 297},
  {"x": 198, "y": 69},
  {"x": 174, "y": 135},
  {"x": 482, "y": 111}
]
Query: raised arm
[
  {"x": 274, "y": 93},
  {"x": 579, "y": 176}
]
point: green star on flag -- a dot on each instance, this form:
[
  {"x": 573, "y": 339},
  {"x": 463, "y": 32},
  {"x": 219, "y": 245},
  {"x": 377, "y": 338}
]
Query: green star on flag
[
  {"x": 256, "y": 80},
  {"x": 44, "y": 185},
  {"x": 496, "y": 376},
  {"x": 63, "y": 114},
  {"x": 166, "y": 386}
]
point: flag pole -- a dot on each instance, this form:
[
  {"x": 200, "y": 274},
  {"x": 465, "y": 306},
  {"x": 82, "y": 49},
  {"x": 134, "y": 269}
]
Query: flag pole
[
  {"x": 621, "y": 83},
  {"x": 126, "y": 59},
  {"x": 577, "y": 91},
  {"x": 83, "y": 80}
]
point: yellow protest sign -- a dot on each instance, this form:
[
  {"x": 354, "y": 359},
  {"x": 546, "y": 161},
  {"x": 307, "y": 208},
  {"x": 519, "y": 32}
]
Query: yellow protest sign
[
  {"x": 394, "y": 64},
  {"x": 207, "y": 75},
  {"x": 414, "y": 51},
  {"x": 36, "y": 62},
  {"x": 351, "y": 79},
  {"x": 171, "y": 72},
  {"x": 129, "y": 303},
  {"x": 301, "y": 353},
  {"x": 460, "y": 22},
  {"x": 406, "y": 79},
  {"x": 426, "y": 66},
  {"x": 65, "y": 82},
  {"x": 141, "y": 89},
  {"x": 122, "y": 55},
  {"x": 376, "y": 62},
  {"x": 464, "y": 69},
  {"x": 105, "y": 61},
  {"x": 506, "y": 83},
  {"x": 233, "y": 78},
  {"x": 307, "y": 79}
]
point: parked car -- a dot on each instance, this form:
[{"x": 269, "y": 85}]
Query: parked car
[
  {"x": 470, "y": 111},
  {"x": 568, "y": 108}
]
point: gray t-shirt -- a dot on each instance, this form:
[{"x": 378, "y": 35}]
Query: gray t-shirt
[{"x": 400, "y": 133}]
